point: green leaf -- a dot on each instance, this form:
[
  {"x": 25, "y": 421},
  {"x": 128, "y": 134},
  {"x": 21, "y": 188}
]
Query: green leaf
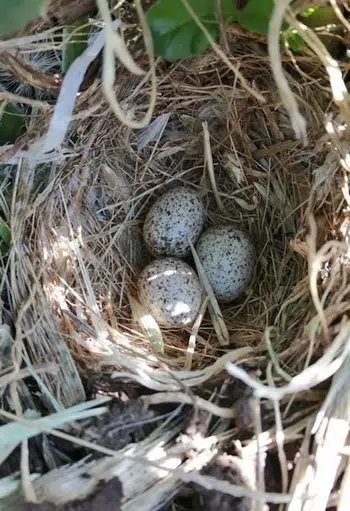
[
  {"x": 16, "y": 13},
  {"x": 175, "y": 34},
  {"x": 5, "y": 237},
  {"x": 75, "y": 39},
  {"x": 319, "y": 16},
  {"x": 292, "y": 40},
  {"x": 308, "y": 12},
  {"x": 255, "y": 16},
  {"x": 11, "y": 122}
]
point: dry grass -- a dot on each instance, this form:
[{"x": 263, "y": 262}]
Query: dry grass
[
  {"x": 101, "y": 196},
  {"x": 77, "y": 251}
]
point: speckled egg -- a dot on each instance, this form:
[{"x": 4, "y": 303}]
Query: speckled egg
[
  {"x": 176, "y": 217},
  {"x": 170, "y": 290},
  {"x": 228, "y": 256}
]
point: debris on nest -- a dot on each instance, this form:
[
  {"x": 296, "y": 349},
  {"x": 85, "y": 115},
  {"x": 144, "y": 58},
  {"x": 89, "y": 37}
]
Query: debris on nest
[
  {"x": 107, "y": 496},
  {"x": 238, "y": 473}
]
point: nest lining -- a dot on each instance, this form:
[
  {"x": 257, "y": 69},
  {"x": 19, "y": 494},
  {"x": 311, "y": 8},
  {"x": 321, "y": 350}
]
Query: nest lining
[{"x": 89, "y": 224}]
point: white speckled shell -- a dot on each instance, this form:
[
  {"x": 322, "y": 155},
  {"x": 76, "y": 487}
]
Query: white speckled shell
[
  {"x": 228, "y": 258},
  {"x": 174, "y": 218},
  {"x": 170, "y": 290}
]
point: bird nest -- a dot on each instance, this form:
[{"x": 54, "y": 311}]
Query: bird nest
[{"x": 70, "y": 282}]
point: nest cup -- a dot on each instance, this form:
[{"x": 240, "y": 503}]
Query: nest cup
[{"x": 89, "y": 241}]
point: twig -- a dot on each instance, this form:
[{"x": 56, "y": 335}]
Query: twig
[
  {"x": 320, "y": 371},
  {"x": 192, "y": 340},
  {"x": 273, "y": 356},
  {"x": 316, "y": 259},
  {"x": 279, "y": 436},
  {"x": 24, "y": 373},
  {"x": 181, "y": 397},
  {"x": 298, "y": 484},
  {"x": 330, "y": 440},
  {"x": 339, "y": 14},
  {"x": 9, "y": 96},
  {"x": 223, "y": 35},
  {"x": 27, "y": 484},
  {"x": 259, "y": 459},
  {"x": 162, "y": 381},
  {"x": 18, "y": 67},
  {"x": 287, "y": 96},
  {"x": 116, "y": 47},
  {"x": 259, "y": 97},
  {"x": 214, "y": 308},
  {"x": 27, "y": 40},
  {"x": 339, "y": 90},
  {"x": 213, "y": 483},
  {"x": 210, "y": 165},
  {"x": 345, "y": 490}
]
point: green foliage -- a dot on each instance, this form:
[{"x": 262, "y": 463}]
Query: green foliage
[
  {"x": 16, "y": 13},
  {"x": 12, "y": 123},
  {"x": 5, "y": 238},
  {"x": 75, "y": 39},
  {"x": 255, "y": 16},
  {"x": 319, "y": 16},
  {"x": 292, "y": 40},
  {"x": 176, "y": 34}
]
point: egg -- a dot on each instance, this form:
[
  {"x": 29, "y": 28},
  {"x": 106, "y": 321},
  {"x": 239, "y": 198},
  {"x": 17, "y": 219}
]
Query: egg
[
  {"x": 171, "y": 292},
  {"x": 228, "y": 257},
  {"x": 176, "y": 217}
]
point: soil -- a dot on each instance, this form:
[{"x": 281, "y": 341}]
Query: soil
[
  {"x": 107, "y": 497},
  {"x": 231, "y": 469}
]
